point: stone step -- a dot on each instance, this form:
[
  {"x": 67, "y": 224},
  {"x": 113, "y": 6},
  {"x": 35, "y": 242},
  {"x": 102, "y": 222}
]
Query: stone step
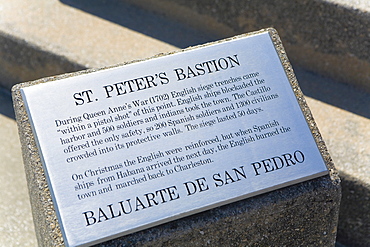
[
  {"x": 43, "y": 38},
  {"x": 36, "y": 43},
  {"x": 331, "y": 38}
]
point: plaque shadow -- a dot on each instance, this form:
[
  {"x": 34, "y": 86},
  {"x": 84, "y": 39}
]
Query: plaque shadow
[
  {"x": 143, "y": 21},
  {"x": 6, "y": 106},
  {"x": 354, "y": 213},
  {"x": 344, "y": 96}
]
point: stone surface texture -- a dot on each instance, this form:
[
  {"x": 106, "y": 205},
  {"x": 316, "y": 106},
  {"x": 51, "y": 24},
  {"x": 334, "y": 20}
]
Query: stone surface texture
[
  {"x": 302, "y": 214},
  {"x": 16, "y": 225},
  {"x": 299, "y": 215}
]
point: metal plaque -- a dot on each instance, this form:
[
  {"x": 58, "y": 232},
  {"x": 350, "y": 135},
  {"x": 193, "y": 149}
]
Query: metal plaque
[{"x": 134, "y": 146}]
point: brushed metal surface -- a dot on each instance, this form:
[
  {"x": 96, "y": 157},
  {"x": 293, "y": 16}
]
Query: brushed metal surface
[{"x": 187, "y": 135}]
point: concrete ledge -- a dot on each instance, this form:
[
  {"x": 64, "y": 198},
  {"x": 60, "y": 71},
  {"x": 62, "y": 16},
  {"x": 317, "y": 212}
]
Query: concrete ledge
[
  {"x": 23, "y": 61},
  {"x": 328, "y": 37}
]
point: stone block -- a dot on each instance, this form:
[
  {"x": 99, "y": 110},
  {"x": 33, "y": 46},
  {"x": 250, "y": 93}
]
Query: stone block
[{"x": 304, "y": 214}]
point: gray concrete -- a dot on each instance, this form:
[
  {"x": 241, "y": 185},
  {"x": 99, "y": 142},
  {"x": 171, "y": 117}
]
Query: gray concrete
[{"x": 16, "y": 224}]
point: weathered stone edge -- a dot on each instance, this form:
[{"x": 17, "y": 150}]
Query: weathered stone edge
[
  {"x": 44, "y": 214},
  {"x": 304, "y": 107}
]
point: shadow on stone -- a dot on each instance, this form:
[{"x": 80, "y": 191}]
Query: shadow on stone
[
  {"x": 142, "y": 21},
  {"x": 344, "y": 96},
  {"x": 354, "y": 213},
  {"x": 21, "y": 61},
  {"x": 6, "y": 106}
]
